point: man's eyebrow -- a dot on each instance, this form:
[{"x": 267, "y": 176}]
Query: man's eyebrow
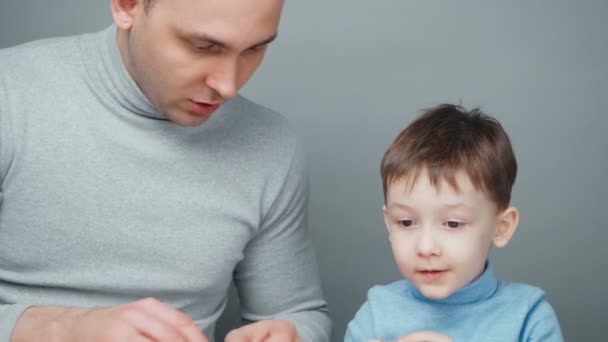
[
  {"x": 203, "y": 37},
  {"x": 266, "y": 41}
]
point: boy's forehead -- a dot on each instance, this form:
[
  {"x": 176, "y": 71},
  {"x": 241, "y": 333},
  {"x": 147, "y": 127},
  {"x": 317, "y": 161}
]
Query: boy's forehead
[
  {"x": 457, "y": 181},
  {"x": 433, "y": 199},
  {"x": 417, "y": 184}
]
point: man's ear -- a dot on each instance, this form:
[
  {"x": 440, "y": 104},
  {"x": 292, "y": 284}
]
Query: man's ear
[
  {"x": 386, "y": 221},
  {"x": 506, "y": 224},
  {"x": 123, "y": 12}
]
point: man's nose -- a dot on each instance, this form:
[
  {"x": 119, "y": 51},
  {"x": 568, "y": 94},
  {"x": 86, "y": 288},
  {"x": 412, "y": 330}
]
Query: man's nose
[{"x": 223, "y": 78}]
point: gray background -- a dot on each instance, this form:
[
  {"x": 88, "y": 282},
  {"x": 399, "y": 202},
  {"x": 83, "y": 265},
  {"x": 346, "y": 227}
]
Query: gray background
[{"x": 350, "y": 74}]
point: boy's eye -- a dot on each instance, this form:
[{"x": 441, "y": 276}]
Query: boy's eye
[
  {"x": 405, "y": 223},
  {"x": 454, "y": 224}
]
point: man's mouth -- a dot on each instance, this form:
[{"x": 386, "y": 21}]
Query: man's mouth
[{"x": 203, "y": 108}]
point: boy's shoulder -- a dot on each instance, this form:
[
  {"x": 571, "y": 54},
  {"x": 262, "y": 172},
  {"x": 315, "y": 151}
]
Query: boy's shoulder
[
  {"x": 540, "y": 322},
  {"x": 510, "y": 289},
  {"x": 399, "y": 288}
]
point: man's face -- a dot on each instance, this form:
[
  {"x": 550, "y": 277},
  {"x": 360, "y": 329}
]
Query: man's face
[
  {"x": 189, "y": 56},
  {"x": 440, "y": 237}
]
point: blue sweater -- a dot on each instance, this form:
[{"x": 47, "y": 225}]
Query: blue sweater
[{"x": 485, "y": 310}]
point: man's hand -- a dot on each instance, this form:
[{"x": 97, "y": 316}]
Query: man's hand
[
  {"x": 422, "y": 336},
  {"x": 265, "y": 331},
  {"x": 141, "y": 321}
]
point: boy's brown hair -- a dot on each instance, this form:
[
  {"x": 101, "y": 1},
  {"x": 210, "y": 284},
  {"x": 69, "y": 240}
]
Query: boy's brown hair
[{"x": 447, "y": 139}]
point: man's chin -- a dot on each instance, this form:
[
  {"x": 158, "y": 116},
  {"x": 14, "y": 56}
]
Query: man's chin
[{"x": 187, "y": 119}]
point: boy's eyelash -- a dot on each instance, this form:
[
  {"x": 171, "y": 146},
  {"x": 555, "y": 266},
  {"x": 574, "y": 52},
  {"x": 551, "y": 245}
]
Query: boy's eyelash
[
  {"x": 454, "y": 224},
  {"x": 405, "y": 222},
  {"x": 451, "y": 224}
]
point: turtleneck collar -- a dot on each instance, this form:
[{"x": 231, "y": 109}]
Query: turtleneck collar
[
  {"x": 480, "y": 289},
  {"x": 110, "y": 78}
]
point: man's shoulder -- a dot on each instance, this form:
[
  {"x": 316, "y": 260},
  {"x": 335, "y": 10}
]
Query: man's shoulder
[
  {"x": 32, "y": 48},
  {"x": 38, "y": 54},
  {"x": 261, "y": 121},
  {"x": 258, "y": 111}
]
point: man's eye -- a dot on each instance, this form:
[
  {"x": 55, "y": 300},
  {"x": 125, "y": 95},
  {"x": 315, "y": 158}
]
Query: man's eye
[
  {"x": 205, "y": 48},
  {"x": 454, "y": 224},
  {"x": 258, "y": 48},
  {"x": 405, "y": 223}
]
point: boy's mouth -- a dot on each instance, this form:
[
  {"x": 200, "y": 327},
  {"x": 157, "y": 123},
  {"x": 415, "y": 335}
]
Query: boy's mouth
[{"x": 432, "y": 275}]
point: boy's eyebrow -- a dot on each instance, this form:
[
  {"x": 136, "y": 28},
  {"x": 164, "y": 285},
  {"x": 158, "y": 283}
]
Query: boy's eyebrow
[
  {"x": 209, "y": 39},
  {"x": 397, "y": 205},
  {"x": 458, "y": 205}
]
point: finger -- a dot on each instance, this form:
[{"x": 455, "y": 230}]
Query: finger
[
  {"x": 173, "y": 317},
  {"x": 135, "y": 336},
  {"x": 280, "y": 336},
  {"x": 425, "y": 336},
  {"x": 279, "y": 331},
  {"x": 168, "y": 314},
  {"x": 432, "y": 336},
  {"x": 255, "y": 332},
  {"x": 139, "y": 338},
  {"x": 150, "y": 326},
  {"x": 235, "y": 335},
  {"x": 123, "y": 331}
]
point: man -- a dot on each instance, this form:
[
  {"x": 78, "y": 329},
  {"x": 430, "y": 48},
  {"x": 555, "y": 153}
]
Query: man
[{"x": 136, "y": 184}]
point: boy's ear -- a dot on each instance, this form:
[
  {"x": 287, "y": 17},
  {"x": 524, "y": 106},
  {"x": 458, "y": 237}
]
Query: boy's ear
[
  {"x": 506, "y": 224},
  {"x": 124, "y": 11},
  {"x": 386, "y": 221}
]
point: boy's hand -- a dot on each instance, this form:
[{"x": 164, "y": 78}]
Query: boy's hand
[
  {"x": 422, "y": 336},
  {"x": 265, "y": 331}
]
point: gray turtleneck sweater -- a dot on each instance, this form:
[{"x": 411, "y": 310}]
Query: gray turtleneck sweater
[{"x": 103, "y": 201}]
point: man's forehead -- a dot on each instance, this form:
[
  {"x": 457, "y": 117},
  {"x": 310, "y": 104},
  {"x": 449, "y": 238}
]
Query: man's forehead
[{"x": 220, "y": 21}]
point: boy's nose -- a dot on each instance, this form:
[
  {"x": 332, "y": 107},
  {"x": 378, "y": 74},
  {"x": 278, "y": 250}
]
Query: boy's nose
[{"x": 427, "y": 244}]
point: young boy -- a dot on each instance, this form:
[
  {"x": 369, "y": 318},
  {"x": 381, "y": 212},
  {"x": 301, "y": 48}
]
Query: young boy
[{"x": 447, "y": 182}]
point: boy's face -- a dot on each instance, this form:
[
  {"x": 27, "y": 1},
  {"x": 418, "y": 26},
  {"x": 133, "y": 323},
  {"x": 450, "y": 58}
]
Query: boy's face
[{"x": 441, "y": 237}]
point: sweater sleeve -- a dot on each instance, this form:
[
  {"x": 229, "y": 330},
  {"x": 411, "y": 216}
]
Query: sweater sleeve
[
  {"x": 360, "y": 328},
  {"x": 9, "y": 313},
  {"x": 4, "y": 132},
  {"x": 542, "y": 324},
  {"x": 278, "y": 277}
]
